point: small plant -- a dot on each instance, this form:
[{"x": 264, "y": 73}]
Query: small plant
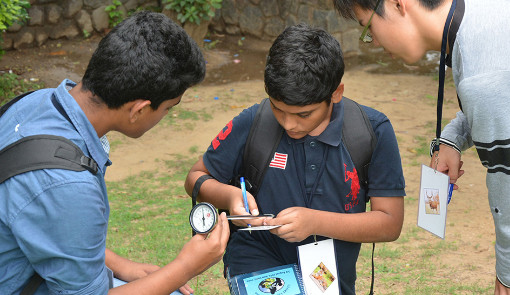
[
  {"x": 12, "y": 11},
  {"x": 115, "y": 16},
  {"x": 12, "y": 85},
  {"x": 86, "y": 34},
  {"x": 193, "y": 11}
]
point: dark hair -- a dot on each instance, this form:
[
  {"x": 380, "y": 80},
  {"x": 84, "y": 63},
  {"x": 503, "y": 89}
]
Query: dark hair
[
  {"x": 345, "y": 7},
  {"x": 304, "y": 66},
  {"x": 147, "y": 56}
]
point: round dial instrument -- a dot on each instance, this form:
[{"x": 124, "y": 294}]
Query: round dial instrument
[{"x": 203, "y": 217}]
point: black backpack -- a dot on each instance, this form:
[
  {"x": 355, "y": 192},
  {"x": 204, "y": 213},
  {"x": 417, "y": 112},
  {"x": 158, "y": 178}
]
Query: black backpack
[
  {"x": 265, "y": 134},
  {"x": 40, "y": 152}
]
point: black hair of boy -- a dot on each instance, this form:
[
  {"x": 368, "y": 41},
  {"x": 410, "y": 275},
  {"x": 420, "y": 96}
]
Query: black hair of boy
[
  {"x": 304, "y": 66},
  {"x": 344, "y": 7},
  {"x": 147, "y": 56}
]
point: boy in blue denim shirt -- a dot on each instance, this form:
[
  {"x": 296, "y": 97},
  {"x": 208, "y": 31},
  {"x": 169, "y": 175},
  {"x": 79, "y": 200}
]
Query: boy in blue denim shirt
[{"x": 53, "y": 222}]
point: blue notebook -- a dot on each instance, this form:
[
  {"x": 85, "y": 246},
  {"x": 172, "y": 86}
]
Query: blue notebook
[{"x": 284, "y": 279}]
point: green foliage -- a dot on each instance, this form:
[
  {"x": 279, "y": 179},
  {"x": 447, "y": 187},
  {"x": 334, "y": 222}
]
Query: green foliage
[
  {"x": 12, "y": 11},
  {"x": 115, "y": 16},
  {"x": 12, "y": 85},
  {"x": 193, "y": 11}
]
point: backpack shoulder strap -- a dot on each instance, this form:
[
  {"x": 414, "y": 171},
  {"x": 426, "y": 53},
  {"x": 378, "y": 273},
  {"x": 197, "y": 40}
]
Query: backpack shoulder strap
[
  {"x": 263, "y": 139},
  {"x": 360, "y": 140},
  {"x": 359, "y": 137},
  {"x": 43, "y": 152}
]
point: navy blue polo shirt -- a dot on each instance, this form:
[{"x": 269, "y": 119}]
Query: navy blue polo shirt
[{"x": 314, "y": 172}]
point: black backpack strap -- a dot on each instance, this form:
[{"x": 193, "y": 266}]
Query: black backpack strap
[
  {"x": 6, "y": 106},
  {"x": 32, "y": 285},
  {"x": 43, "y": 152},
  {"x": 359, "y": 138},
  {"x": 263, "y": 139}
]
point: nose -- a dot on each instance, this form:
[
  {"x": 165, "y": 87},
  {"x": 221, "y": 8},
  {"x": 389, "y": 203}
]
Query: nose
[{"x": 288, "y": 122}]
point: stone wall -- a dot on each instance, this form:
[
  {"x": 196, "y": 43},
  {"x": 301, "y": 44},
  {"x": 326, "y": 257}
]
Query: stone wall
[
  {"x": 264, "y": 19},
  {"x": 55, "y": 19}
]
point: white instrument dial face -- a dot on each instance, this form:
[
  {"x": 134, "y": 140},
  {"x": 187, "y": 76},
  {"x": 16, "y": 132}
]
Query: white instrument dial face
[{"x": 203, "y": 217}]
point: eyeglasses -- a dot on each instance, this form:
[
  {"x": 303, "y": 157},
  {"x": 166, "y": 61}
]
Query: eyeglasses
[{"x": 365, "y": 36}]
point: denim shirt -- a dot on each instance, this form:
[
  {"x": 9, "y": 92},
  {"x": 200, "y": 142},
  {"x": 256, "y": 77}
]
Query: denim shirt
[{"x": 54, "y": 221}]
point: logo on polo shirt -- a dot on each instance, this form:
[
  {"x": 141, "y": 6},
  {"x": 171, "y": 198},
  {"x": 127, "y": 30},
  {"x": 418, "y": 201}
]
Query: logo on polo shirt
[
  {"x": 355, "y": 187},
  {"x": 222, "y": 135},
  {"x": 279, "y": 161}
]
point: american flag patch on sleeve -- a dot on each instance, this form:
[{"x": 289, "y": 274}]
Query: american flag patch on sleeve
[{"x": 279, "y": 161}]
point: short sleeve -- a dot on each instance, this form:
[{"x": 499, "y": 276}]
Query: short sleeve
[
  {"x": 385, "y": 174},
  {"x": 223, "y": 158}
]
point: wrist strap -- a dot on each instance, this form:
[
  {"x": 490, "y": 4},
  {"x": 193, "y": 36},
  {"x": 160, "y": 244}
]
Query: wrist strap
[
  {"x": 196, "y": 187},
  {"x": 434, "y": 145}
]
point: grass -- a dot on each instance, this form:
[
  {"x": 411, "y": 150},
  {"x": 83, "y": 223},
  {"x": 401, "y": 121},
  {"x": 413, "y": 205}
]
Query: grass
[
  {"x": 149, "y": 219},
  {"x": 403, "y": 269},
  {"x": 183, "y": 119}
]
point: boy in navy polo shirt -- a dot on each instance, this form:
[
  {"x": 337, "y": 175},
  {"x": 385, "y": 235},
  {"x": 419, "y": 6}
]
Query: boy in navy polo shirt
[{"x": 313, "y": 190}]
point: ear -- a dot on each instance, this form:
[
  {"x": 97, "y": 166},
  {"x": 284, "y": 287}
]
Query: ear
[
  {"x": 399, "y": 5},
  {"x": 338, "y": 94},
  {"x": 137, "y": 108}
]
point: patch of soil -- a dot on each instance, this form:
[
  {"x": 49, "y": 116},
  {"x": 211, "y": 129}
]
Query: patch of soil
[{"x": 235, "y": 78}]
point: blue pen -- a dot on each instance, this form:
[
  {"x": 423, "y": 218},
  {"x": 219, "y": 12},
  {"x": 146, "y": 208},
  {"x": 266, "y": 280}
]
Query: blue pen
[
  {"x": 450, "y": 191},
  {"x": 245, "y": 199}
]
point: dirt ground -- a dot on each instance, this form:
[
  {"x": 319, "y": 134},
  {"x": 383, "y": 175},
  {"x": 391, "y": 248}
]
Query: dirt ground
[{"x": 406, "y": 94}]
